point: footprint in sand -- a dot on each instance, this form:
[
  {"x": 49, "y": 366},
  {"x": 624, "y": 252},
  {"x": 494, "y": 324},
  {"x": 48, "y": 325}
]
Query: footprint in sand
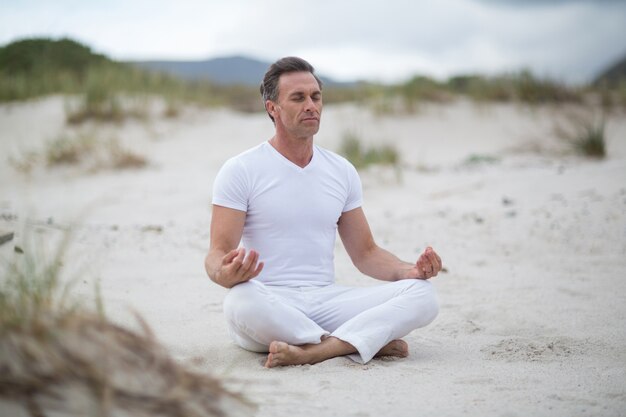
[{"x": 542, "y": 349}]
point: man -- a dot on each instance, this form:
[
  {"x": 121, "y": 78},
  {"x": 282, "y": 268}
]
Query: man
[{"x": 287, "y": 198}]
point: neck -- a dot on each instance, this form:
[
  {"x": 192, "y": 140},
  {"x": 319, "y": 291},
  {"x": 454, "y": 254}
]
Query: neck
[{"x": 299, "y": 151}]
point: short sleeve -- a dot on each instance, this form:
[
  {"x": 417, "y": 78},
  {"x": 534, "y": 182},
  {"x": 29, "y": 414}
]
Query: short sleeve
[
  {"x": 230, "y": 188},
  {"x": 355, "y": 190}
]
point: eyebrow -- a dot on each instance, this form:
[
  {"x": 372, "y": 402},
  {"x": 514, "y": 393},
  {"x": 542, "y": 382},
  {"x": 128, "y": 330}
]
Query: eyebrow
[{"x": 302, "y": 93}]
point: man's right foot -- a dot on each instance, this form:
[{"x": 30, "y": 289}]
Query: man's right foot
[
  {"x": 398, "y": 348},
  {"x": 282, "y": 354}
]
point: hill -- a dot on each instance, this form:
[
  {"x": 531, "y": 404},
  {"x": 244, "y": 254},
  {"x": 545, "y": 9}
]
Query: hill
[
  {"x": 39, "y": 55},
  {"x": 223, "y": 70},
  {"x": 613, "y": 76}
]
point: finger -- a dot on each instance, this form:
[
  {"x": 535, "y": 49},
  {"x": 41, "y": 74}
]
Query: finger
[
  {"x": 258, "y": 270},
  {"x": 419, "y": 266},
  {"x": 431, "y": 252},
  {"x": 249, "y": 262},
  {"x": 228, "y": 258},
  {"x": 432, "y": 258},
  {"x": 426, "y": 262},
  {"x": 239, "y": 259},
  {"x": 421, "y": 263},
  {"x": 252, "y": 274}
]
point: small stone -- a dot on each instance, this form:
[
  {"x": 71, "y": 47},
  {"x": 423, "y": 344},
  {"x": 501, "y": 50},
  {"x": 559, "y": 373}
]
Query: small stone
[
  {"x": 6, "y": 237},
  {"x": 152, "y": 228}
]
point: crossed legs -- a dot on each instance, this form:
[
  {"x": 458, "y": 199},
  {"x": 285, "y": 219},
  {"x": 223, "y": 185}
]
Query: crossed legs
[
  {"x": 308, "y": 326},
  {"x": 281, "y": 353}
]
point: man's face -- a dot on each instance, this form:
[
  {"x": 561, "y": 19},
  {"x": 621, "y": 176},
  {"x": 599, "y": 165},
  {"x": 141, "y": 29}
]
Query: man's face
[{"x": 299, "y": 105}]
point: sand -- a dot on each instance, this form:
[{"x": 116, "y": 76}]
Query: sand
[{"x": 533, "y": 306}]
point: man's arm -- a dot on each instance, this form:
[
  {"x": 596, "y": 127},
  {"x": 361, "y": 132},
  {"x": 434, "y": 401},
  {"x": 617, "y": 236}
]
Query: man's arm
[
  {"x": 376, "y": 262},
  {"x": 225, "y": 264}
]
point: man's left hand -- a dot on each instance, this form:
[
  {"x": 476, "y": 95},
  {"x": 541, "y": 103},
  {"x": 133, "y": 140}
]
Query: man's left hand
[{"x": 428, "y": 265}]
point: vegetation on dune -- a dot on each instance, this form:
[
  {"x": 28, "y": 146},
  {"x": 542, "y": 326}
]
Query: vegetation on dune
[
  {"x": 584, "y": 133},
  {"x": 590, "y": 141},
  {"x": 361, "y": 157},
  {"x": 84, "y": 149},
  {"x": 107, "y": 90},
  {"x": 60, "y": 357},
  {"x": 112, "y": 91}
]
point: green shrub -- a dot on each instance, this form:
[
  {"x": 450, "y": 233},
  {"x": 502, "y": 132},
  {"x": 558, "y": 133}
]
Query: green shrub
[
  {"x": 590, "y": 140},
  {"x": 360, "y": 157},
  {"x": 585, "y": 134}
]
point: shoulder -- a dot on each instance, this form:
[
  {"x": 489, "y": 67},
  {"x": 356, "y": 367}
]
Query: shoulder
[
  {"x": 249, "y": 158},
  {"x": 250, "y": 155},
  {"x": 334, "y": 159}
]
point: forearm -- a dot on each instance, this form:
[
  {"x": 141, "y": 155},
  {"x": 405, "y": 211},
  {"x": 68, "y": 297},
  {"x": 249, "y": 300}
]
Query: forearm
[{"x": 381, "y": 264}]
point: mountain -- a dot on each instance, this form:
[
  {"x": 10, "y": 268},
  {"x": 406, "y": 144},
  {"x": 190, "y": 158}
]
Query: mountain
[
  {"x": 224, "y": 70},
  {"x": 613, "y": 76}
]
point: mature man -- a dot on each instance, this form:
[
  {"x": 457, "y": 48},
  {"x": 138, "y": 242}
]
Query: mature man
[{"x": 287, "y": 198}]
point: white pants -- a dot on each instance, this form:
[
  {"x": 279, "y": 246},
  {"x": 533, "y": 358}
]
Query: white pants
[{"x": 367, "y": 318}]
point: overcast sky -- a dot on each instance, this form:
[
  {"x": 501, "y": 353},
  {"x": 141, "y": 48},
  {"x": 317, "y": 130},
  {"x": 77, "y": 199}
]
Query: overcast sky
[{"x": 383, "y": 40}]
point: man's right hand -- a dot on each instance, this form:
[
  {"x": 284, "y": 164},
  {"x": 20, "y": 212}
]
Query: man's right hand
[{"x": 236, "y": 267}]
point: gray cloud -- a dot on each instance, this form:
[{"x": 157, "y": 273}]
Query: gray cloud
[{"x": 569, "y": 40}]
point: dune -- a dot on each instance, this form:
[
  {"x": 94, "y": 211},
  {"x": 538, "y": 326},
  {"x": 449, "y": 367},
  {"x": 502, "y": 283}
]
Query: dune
[{"x": 533, "y": 238}]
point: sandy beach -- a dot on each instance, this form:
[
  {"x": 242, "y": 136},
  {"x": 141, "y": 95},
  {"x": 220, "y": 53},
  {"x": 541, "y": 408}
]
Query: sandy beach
[{"x": 533, "y": 238}]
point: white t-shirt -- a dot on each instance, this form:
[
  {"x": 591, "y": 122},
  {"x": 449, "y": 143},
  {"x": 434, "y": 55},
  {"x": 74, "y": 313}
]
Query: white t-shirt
[{"x": 291, "y": 212}]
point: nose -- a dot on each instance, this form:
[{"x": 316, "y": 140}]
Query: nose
[{"x": 309, "y": 104}]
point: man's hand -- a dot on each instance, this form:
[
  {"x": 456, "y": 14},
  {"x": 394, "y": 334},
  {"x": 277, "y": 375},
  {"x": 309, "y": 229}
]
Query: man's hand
[
  {"x": 236, "y": 267},
  {"x": 427, "y": 266}
]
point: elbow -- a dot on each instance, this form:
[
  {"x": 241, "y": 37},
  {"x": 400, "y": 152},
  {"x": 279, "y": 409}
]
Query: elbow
[
  {"x": 207, "y": 266},
  {"x": 211, "y": 272}
]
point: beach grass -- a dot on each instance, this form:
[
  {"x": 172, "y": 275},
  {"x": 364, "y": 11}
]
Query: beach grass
[
  {"x": 92, "y": 151},
  {"x": 361, "y": 157},
  {"x": 61, "y": 356},
  {"x": 590, "y": 140},
  {"x": 584, "y": 133},
  {"x": 84, "y": 149}
]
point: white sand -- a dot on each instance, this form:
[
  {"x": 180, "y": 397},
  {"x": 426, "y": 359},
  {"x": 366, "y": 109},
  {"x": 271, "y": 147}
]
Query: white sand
[{"x": 533, "y": 308}]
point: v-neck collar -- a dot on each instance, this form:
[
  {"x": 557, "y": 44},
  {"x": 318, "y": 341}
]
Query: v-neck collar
[{"x": 286, "y": 161}]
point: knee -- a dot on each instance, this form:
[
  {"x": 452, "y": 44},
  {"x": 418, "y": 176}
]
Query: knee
[
  {"x": 426, "y": 306},
  {"x": 241, "y": 302}
]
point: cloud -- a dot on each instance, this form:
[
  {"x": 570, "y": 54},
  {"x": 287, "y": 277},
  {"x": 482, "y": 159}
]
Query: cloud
[{"x": 389, "y": 40}]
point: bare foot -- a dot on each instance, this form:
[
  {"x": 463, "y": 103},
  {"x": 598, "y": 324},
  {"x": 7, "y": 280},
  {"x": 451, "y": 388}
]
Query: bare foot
[
  {"x": 398, "y": 348},
  {"x": 282, "y": 354}
]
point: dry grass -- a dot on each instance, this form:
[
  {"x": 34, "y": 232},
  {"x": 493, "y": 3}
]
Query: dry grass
[
  {"x": 584, "y": 133},
  {"x": 82, "y": 149},
  {"x": 59, "y": 358},
  {"x": 70, "y": 149}
]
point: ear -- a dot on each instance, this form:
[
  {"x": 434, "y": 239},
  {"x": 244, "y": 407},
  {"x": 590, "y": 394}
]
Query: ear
[{"x": 271, "y": 108}]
